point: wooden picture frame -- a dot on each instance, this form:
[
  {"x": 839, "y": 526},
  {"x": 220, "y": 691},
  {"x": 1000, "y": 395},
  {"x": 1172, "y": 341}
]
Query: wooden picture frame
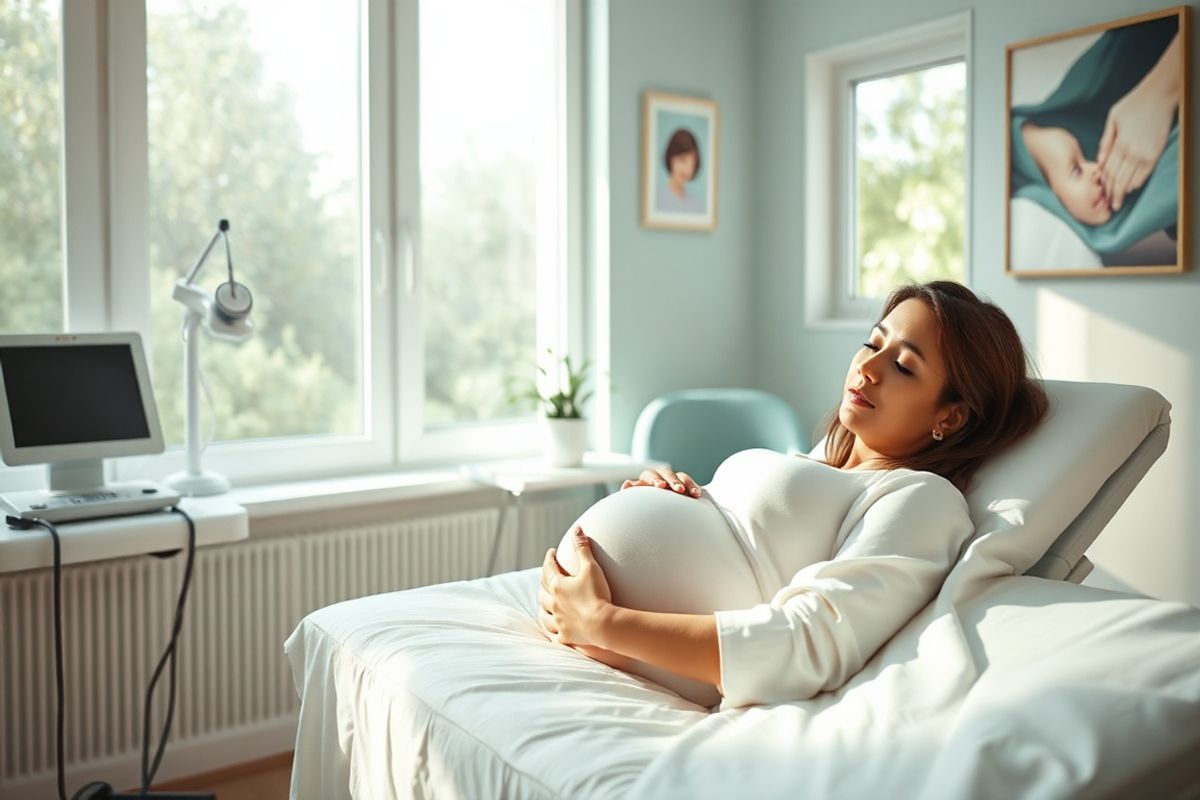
[
  {"x": 1097, "y": 149},
  {"x": 680, "y": 150}
]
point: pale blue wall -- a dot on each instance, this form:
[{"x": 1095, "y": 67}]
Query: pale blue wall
[
  {"x": 681, "y": 302},
  {"x": 725, "y": 308},
  {"x": 1143, "y": 330}
]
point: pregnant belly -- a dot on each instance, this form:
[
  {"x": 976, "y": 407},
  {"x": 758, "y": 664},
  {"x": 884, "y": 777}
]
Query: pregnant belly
[{"x": 662, "y": 551}]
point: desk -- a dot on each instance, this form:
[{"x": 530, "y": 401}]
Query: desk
[
  {"x": 218, "y": 520},
  {"x": 535, "y": 475}
]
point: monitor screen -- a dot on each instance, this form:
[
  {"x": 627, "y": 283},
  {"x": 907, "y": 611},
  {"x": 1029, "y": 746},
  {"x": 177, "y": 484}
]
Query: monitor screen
[{"x": 71, "y": 395}]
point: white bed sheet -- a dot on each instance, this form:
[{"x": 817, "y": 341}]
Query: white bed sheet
[
  {"x": 1003, "y": 686},
  {"x": 452, "y": 691},
  {"x": 1032, "y": 689}
]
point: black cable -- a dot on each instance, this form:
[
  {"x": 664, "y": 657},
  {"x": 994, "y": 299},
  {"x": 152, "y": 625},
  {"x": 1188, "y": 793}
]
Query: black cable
[
  {"x": 168, "y": 653},
  {"x": 25, "y": 524},
  {"x": 148, "y": 771}
]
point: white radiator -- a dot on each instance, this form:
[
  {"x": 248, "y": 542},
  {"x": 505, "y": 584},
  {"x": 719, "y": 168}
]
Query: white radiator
[{"x": 235, "y": 698}]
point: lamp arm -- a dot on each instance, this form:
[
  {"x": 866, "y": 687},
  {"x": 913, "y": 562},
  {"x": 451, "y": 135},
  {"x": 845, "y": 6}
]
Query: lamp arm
[
  {"x": 229, "y": 262},
  {"x": 192, "y": 275}
]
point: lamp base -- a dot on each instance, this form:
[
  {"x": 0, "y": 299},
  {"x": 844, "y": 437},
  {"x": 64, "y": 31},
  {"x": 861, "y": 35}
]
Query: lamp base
[{"x": 192, "y": 484}]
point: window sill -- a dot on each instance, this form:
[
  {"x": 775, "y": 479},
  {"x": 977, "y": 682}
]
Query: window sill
[
  {"x": 295, "y": 498},
  {"x": 275, "y": 506}
]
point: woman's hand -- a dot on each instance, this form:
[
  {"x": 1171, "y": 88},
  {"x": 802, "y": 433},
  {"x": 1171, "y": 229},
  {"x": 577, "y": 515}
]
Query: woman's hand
[
  {"x": 572, "y": 606},
  {"x": 1136, "y": 131},
  {"x": 679, "y": 482}
]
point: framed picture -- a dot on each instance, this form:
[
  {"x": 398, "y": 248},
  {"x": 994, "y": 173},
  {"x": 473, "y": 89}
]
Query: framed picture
[
  {"x": 679, "y": 162},
  {"x": 1097, "y": 149}
]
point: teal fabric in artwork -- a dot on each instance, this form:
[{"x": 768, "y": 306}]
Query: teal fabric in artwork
[{"x": 1101, "y": 76}]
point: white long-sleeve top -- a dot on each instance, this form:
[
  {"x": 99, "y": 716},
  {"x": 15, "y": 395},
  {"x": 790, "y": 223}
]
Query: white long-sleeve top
[{"x": 849, "y": 555}]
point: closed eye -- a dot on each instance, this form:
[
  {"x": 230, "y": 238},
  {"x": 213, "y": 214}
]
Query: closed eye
[{"x": 903, "y": 370}]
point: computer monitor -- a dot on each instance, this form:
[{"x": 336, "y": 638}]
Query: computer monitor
[{"x": 74, "y": 399}]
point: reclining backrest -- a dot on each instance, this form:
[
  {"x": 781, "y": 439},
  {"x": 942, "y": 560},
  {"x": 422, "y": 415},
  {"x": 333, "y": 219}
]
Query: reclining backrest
[{"x": 1047, "y": 499}]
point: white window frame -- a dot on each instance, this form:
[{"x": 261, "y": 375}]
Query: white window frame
[
  {"x": 106, "y": 251},
  {"x": 830, "y": 79},
  {"x": 85, "y": 185}
]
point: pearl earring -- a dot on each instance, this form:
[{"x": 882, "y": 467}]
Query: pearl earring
[{"x": 937, "y": 434}]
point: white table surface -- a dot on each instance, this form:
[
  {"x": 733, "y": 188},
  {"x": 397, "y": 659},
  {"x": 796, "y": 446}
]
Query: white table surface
[
  {"x": 535, "y": 474},
  {"x": 218, "y": 520}
]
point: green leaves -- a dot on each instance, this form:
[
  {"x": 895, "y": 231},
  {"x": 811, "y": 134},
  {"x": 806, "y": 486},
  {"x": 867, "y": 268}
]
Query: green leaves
[
  {"x": 31, "y": 272},
  {"x": 566, "y": 402},
  {"x": 910, "y": 173},
  {"x": 226, "y": 140}
]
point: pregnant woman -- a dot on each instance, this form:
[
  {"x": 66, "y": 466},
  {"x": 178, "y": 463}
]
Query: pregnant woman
[{"x": 782, "y": 576}]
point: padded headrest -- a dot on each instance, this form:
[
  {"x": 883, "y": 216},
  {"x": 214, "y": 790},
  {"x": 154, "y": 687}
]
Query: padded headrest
[{"x": 1044, "y": 501}]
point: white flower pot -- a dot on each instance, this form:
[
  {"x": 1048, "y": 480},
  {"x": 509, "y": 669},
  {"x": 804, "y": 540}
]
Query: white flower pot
[{"x": 564, "y": 440}]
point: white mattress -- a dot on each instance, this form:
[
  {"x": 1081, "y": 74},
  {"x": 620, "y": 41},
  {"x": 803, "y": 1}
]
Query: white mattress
[
  {"x": 452, "y": 691},
  {"x": 1003, "y": 686}
]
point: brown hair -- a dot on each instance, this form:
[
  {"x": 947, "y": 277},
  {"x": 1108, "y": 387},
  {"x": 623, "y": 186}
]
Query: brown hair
[
  {"x": 986, "y": 368},
  {"x": 682, "y": 141}
]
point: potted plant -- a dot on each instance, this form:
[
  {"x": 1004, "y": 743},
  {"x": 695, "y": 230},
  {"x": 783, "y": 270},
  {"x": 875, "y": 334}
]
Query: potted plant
[{"x": 564, "y": 428}]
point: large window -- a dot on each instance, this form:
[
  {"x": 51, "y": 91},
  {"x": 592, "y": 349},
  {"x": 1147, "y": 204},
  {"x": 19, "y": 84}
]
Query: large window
[
  {"x": 245, "y": 123},
  {"x": 397, "y": 186},
  {"x": 489, "y": 209},
  {"x": 909, "y": 191},
  {"x": 31, "y": 263},
  {"x": 886, "y": 169}
]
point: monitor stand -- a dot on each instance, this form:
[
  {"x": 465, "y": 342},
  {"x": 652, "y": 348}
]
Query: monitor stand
[{"x": 75, "y": 476}]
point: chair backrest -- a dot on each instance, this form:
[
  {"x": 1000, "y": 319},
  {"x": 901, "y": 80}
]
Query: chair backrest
[{"x": 696, "y": 429}]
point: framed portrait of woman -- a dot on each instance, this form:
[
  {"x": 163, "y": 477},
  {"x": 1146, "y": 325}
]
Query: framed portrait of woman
[
  {"x": 679, "y": 162},
  {"x": 1098, "y": 149}
]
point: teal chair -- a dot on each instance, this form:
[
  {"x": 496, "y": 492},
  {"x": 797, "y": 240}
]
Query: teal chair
[{"x": 696, "y": 429}]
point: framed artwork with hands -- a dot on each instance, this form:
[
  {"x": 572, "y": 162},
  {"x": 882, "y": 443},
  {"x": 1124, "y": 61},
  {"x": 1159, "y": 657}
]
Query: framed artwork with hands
[{"x": 1098, "y": 149}]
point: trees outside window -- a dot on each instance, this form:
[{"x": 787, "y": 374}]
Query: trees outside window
[{"x": 270, "y": 125}]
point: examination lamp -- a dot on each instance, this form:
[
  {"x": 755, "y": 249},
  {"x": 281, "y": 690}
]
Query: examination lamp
[{"x": 225, "y": 314}]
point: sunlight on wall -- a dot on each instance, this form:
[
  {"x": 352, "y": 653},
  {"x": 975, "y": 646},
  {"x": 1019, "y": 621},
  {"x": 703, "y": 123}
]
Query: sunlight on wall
[{"x": 1146, "y": 547}]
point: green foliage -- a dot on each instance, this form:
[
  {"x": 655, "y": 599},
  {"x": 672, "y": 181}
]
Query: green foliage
[
  {"x": 31, "y": 271},
  {"x": 225, "y": 141},
  {"x": 563, "y": 401},
  {"x": 911, "y": 220},
  {"x": 258, "y": 389},
  {"x": 478, "y": 274}
]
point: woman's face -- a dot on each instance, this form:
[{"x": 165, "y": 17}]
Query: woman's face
[
  {"x": 683, "y": 166},
  {"x": 900, "y": 372},
  {"x": 1077, "y": 182}
]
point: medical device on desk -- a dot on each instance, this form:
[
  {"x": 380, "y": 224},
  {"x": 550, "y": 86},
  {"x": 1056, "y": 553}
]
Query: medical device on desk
[
  {"x": 69, "y": 401},
  {"x": 225, "y": 314}
]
